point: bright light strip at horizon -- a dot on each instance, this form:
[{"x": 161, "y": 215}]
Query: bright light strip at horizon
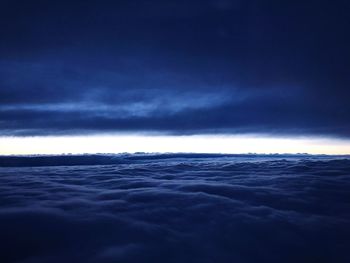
[{"x": 161, "y": 144}]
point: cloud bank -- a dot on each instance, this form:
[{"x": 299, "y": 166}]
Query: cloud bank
[
  {"x": 178, "y": 209},
  {"x": 174, "y": 67}
]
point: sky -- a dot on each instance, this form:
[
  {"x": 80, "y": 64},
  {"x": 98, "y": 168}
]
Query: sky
[{"x": 179, "y": 69}]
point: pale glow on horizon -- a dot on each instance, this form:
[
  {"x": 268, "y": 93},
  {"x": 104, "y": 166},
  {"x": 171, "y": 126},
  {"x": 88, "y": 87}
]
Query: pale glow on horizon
[{"x": 161, "y": 144}]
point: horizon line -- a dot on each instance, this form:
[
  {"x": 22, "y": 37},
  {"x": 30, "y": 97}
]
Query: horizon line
[{"x": 215, "y": 144}]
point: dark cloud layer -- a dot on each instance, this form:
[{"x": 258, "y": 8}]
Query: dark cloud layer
[
  {"x": 178, "y": 209},
  {"x": 174, "y": 67}
]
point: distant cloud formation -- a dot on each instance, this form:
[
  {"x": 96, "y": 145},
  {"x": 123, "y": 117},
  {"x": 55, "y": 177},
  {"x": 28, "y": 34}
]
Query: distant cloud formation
[
  {"x": 175, "y": 67},
  {"x": 177, "y": 208}
]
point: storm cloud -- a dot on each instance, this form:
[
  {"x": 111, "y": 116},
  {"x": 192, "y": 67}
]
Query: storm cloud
[{"x": 175, "y": 67}]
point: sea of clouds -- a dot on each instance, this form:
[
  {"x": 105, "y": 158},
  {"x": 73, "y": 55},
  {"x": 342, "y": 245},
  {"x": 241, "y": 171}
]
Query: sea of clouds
[{"x": 177, "y": 209}]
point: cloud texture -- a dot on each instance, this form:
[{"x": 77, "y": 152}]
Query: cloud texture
[
  {"x": 174, "y": 67},
  {"x": 182, "y": 209}
]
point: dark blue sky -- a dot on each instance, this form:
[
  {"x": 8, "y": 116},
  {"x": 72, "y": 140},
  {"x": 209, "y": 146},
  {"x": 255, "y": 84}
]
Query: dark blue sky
[{"x": 175, "y": 67}]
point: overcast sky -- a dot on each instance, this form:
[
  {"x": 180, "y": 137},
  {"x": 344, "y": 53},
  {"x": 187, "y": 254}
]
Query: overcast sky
[{"x": 175, "y": 67}]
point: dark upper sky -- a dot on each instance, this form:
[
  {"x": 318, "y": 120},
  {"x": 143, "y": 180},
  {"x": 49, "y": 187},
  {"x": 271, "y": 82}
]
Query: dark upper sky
[{"x": 179, "y": 67}]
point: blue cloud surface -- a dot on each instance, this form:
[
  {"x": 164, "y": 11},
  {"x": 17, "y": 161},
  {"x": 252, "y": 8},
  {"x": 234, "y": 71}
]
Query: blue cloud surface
[{"x": 177, "y": 209}]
